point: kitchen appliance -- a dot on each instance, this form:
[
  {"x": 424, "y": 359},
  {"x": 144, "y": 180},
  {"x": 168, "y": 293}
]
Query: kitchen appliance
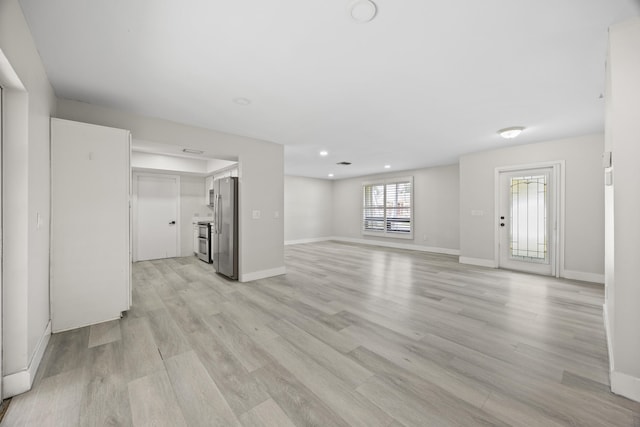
[
  {"x": 225, "y": 231},
  {"x": 212, "y": 198},
  {"x": 204, "y": 241}
]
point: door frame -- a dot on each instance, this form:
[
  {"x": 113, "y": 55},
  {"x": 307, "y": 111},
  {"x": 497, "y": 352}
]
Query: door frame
[
  {"x": 134, "y": 210},
  {"x": 558, "y": 235}
]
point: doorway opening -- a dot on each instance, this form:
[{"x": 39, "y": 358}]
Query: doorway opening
[{"x": 529, "y": 218}]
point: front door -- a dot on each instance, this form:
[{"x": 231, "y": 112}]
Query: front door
[
  {"x": 527, "y": 219},
  {"x": 157, "y": 216}
]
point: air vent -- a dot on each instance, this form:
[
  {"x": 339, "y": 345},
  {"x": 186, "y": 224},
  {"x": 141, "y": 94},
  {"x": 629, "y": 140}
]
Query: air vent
[{"x": 343, "y": 163}]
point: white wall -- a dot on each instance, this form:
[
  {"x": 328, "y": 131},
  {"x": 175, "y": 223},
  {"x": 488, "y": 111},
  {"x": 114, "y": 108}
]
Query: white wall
[
  {"x": 30, "y": 101},
  {"x": 623, "y": 203},
  {"x": 307, "y": 208},
  {"x": 584, "y": 222},
  {"x": 169, "y": 164},
  {"x": 261, "y": 166},
  {"x": 436, "y": 209}
]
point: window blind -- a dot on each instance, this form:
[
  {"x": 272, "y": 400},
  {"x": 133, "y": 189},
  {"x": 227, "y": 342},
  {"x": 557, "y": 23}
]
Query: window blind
[{"x": 387, "y": 207}]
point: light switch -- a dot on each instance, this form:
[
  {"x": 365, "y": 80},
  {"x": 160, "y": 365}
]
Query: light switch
[{"x": 256, "y": 214}]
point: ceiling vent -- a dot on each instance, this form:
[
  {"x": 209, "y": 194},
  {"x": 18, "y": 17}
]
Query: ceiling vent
[{"x": 343, "y": 163}]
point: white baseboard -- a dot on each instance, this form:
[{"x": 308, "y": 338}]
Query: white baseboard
[
  {"x": 480, "y": 262},
  {"x": 20, "y": 382},
  {"x": 622, "y": 384},
  {"x": 263, "y": 274},
  {"x": 607, "y": 332},
  {"x": 585, "y": 277},
  {"x": 396, "y": 245},
  {"x": 302, "y": 241},
  {"x": 625, "y": 385}
]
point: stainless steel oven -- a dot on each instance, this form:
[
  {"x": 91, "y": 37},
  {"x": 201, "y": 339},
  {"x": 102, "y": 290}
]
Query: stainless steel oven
[{"x": 204, "y": 241}]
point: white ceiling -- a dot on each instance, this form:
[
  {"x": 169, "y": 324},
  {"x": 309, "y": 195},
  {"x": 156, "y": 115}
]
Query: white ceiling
[{"x": 421, "y": 84}]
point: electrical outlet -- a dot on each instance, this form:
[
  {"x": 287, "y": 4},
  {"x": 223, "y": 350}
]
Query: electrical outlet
[{"x": 256, "y": 214}]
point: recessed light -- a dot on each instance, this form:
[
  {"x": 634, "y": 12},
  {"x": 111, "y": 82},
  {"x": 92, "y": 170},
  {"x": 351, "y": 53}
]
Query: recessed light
[
  {"x": 330, "y": 175},
  {"x": 510, "y": 133},
  {"x": 324, "y": 153},
  {"x": 387, "y": 166},
  {"x": 362, "y": 11},
  {"x": 192, "y": 151},
  {"x": 242, "y": 101}
]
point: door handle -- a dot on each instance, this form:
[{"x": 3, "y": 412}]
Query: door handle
[{"x": 172, "y": 223}]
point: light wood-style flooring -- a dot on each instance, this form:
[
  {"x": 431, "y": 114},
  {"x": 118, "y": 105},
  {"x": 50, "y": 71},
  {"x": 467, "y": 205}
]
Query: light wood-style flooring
[{"x": 350, "y": 336}]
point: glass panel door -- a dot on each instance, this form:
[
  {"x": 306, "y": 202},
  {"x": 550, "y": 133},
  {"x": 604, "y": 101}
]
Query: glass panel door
[{"x": 527, "y": 218}]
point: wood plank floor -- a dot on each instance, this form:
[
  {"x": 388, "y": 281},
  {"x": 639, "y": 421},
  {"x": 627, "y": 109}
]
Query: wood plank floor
[{"x": 350, "y": 336}]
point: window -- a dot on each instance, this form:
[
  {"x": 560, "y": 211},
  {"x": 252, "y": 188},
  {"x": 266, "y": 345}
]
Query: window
[{"x": 387, "y": 208}]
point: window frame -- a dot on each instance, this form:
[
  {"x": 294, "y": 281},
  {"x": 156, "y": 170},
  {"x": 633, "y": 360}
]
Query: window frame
[{"x": 385, "y": 232}]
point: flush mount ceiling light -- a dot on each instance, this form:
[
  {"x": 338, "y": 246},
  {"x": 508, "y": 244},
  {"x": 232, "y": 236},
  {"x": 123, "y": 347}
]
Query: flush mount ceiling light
[
  {"x": 324, "y": 153},
  {"x": 387, "y": 166},
  {"x": 330, "y": 175},
  {"x": 510, "y": 133},
  {"x": 362, "y": 11},
  {"x": 192, "y": 151},
  {"x": 242, "y": 101}
]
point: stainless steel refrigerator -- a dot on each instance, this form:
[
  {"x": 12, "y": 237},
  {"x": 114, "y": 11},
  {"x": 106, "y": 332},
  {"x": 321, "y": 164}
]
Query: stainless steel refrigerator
[{"x": 224, "y": 244}]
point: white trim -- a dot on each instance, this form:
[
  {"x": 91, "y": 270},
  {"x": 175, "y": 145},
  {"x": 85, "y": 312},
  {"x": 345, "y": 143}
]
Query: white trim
[
  {"x": 558, "y": 174},
  {"x": 22, "y": 381},
  {"x": 311, "y": 240},
  {"x": 480, "y": 262},
  {"x": 395, "y": 245},
  {"x": 134, "y": 210},
  {"x": 583, "y": 276},
  {"x": 607, "y": 331},
  {"x": 625, "y": 385},
  {"x": 262, "y": 274}
]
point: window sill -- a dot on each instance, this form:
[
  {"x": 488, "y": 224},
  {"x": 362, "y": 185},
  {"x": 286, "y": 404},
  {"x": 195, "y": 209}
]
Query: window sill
[{"x": 388, "y": 235}]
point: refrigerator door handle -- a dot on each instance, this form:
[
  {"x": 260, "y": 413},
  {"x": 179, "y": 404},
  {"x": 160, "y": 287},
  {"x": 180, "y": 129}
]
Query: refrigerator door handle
[
  {"x": 219, "y": 215},
  {"x": 215, "y": 213}
]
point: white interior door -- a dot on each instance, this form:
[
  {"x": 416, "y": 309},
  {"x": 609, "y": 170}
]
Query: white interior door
[
  {"x": 157, "y": 216},
  {"x": 527, "y": 219}
]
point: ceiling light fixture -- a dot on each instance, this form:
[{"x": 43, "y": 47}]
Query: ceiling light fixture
[
  {"x": 362, "y": 11},
  {"x": 343, "y": 163},
  {"x": 242, "y": 101},
  {"x": 192, "y": 151},
  {"x": 330, "y": 175},
  {"x": 324, "y": 153},
  {"x": 510, "y": 133},
  {"x": 387, "y": 166}
]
